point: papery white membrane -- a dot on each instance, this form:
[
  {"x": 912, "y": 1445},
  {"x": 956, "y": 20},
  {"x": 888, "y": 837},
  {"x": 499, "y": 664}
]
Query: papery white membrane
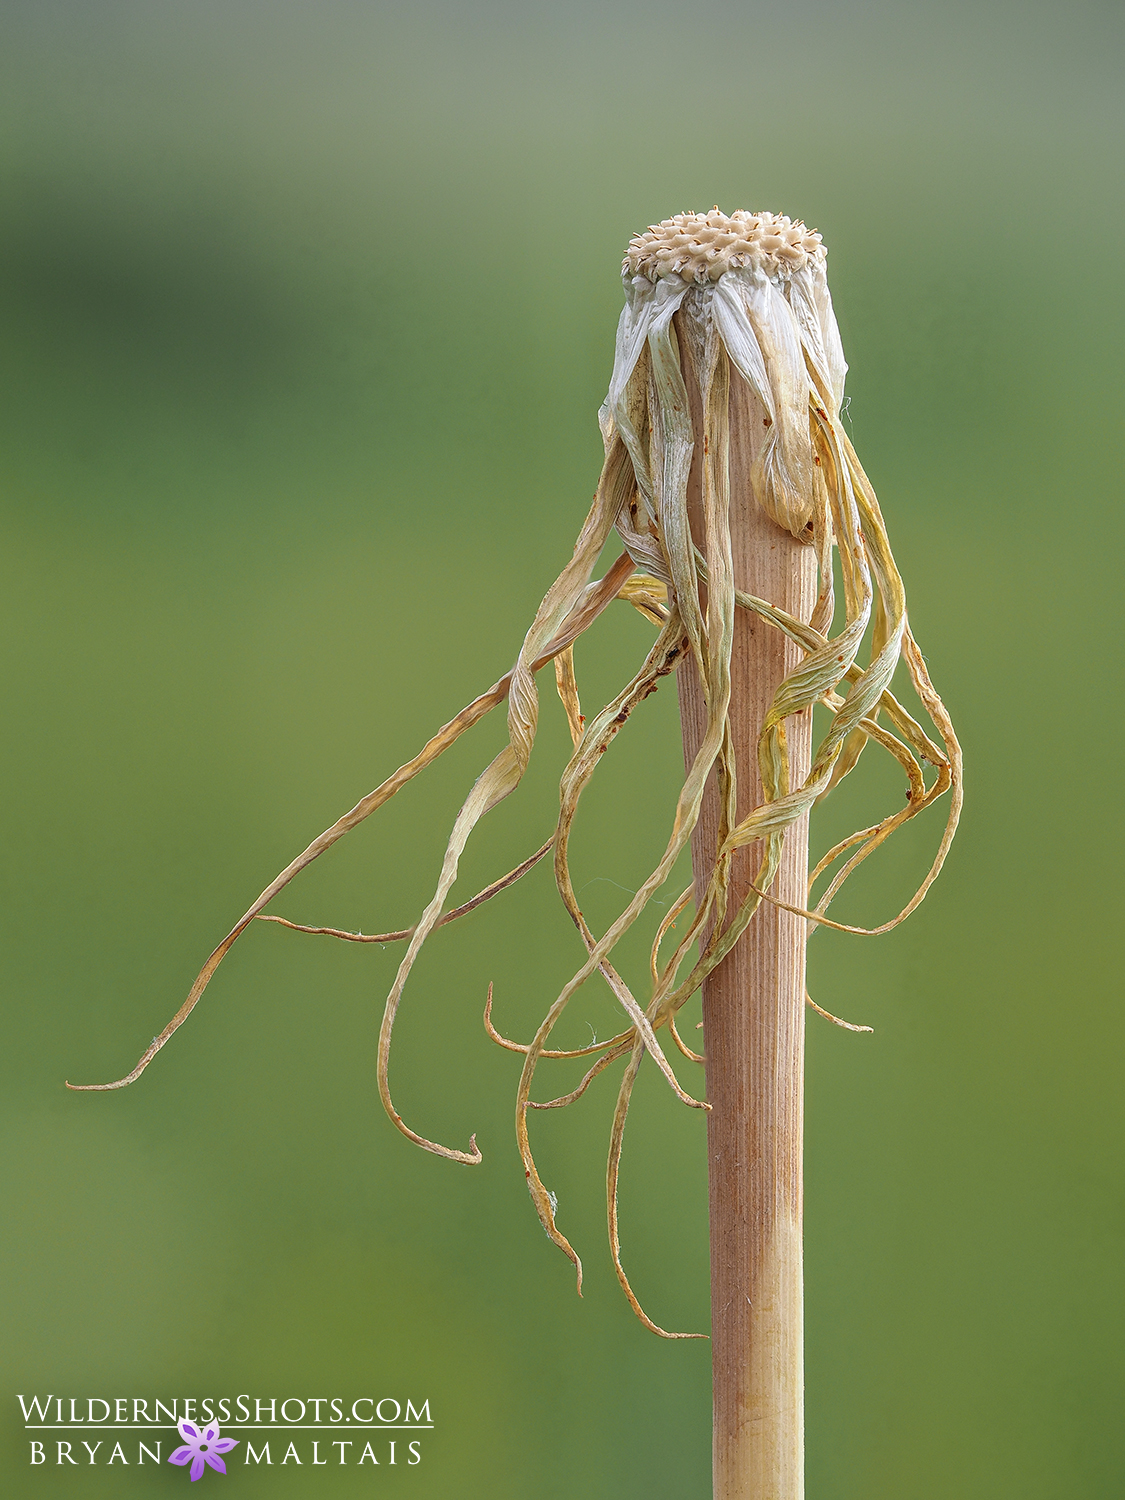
[
  {"x": 812, "y": 307},
  {"x": 672, "y": 446},
  {"x": 783, "y": 473},
  {"x": 646, "y": 306},
  {"x": 740, "y": 340},
  {"x": 785, "y": 462},
  {"x": 830, "y": 332},
  {"x": 632, "y": 332}
]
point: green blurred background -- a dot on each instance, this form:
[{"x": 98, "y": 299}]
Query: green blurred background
[{"x": 307, "y": 312}]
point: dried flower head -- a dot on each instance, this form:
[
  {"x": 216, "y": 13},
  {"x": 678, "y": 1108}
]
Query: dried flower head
[
  {"x": 733, "y": 298},
  {"x": 702, "y": 247}
]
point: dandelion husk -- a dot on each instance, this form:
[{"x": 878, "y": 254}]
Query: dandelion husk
[{"x": 766, "y": 317}]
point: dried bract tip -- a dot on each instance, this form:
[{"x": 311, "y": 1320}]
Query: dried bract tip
[{"x": 702, "y": 247}]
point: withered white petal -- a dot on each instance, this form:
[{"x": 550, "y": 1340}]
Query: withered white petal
[
  {"x": 673, "y": 443},
  {"x": 830, "y": 332},
  {"x": 647, "y": 306},
  {"x": 783, "y": 482},
  {"x": 741, "y": 342},
  {"x": 811, "y": 303}
]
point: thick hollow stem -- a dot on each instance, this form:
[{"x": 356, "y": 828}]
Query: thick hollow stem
[{"x": 753, "y": 1011}]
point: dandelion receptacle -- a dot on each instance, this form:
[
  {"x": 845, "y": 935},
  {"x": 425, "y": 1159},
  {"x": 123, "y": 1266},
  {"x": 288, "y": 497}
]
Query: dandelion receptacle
[{"x": 732, "y": 489}]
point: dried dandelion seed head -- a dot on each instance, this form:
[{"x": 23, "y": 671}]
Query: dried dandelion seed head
[
  {"x": 759, "y": 280},
  {"x": 701, "y": 247},
  {"x": 739, "y": 296}
]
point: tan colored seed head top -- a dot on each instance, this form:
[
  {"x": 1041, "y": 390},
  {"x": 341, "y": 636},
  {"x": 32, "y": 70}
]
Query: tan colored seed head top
[{"x": 701, "y": 247}]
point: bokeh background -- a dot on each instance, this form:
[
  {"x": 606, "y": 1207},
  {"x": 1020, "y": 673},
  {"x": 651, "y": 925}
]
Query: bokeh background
[{"x": 307, "y": 311}]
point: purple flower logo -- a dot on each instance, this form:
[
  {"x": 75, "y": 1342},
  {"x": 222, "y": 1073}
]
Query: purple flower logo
[{"x": 202, "y": 1447}]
